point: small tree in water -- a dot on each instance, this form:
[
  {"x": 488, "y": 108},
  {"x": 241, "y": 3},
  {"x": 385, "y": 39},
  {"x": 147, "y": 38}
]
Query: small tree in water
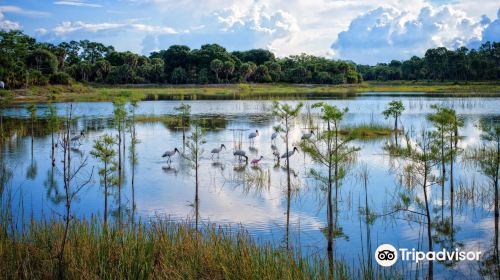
[
  {"x": 394, "y": 110},
  {"x": 120, "y": 114},
  {"x": 53, "y": 125},
  {"x": 73, "y": 179},
  {"x": 33, "y": 116},
  {"x": 194, "y": 151},
  {"x": 286, "y": 114},
  {"x": 184, "y": 111},
  {"x": 420, "y": 159},
  {"x": 104, "y": 151},
  {"x": 133, "y": 151},
  {"x": 489, "y": 163},
  {"x": 332, "y": 151}
]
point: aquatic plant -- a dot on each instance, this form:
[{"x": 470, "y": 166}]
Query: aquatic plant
[
  {"x": 184, "y": 111},
  {"x": 286, "y": 113},
  {"x": 194, "y": 151},
  {"x": 53, "y": 126},
  {"x": 394, "y": 109},
  {"x": 331, "y": 150},
  {"x": 72, "y": 171},
  {"x": 105, "y": 152}
]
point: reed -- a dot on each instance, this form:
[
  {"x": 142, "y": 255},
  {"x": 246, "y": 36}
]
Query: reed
[
  {"x": 80, "y": 92},
  {"x": 156, "y": 250}
]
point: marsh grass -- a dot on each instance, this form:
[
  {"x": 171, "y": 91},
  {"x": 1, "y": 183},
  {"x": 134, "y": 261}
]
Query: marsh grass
[
  {"x": 80, "y": 92},
  {"x": 158, "y": 250},
  {"x": 174, "y": 122},
  {"x": 366, "y": 131}
]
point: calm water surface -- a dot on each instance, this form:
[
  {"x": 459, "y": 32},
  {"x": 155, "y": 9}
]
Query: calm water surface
[{"x": 232, "y": 193}]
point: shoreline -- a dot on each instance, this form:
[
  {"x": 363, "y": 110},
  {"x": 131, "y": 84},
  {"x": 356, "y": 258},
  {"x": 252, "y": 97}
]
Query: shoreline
[{"x": 80, "y": 92}]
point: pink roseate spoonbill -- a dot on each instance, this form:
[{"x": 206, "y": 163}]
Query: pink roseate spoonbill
[
  {"x": 307, "y": 136},
  {"x": 218, "y": 150},
  {"x": 170, "y": 154},
  {"x": 256, "y": 160}
]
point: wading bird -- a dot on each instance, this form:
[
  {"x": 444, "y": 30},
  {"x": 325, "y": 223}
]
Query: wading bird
[
  {"x": 170, "y": 154},
  {"x": 217, "y": 150},
  {"x": 240, "y": 154},
  {"x": 273, "y": 136},
  {"x": 252, "y": 135},
  {"x": 290, "y": 153},
  {"x": 276, "y": 155},
  {"x": 78, "y": 137},
  {"x": 307, "y": 136},
  {"x": 256, "y": 161}
]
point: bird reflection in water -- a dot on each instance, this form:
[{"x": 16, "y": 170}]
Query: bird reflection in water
[{"x": 168, "y": 169}]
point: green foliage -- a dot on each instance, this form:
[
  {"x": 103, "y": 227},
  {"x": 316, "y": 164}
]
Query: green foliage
[
  {"x": 87, "y": 61},
  {"x": 216, "y": 66},
  {"x": 330, "y": 148},
  {"x": 25, "y": 62},
  {"x": 158, "y": 249},
  {"x": 394, "y": 109},
  {"x": 104, "y": 151},
  {"x": 53, "y": 121},
  {"x": 194, "y": 146},
  {"x": 488, "y": 157},
  {"x": 184, "y": 111},
  {"x": 179, "y": 76},
  {"x": 33, "y": 111},
  {"x": 60, "y": 78},
  {"x": 36, "y": 78},
  {"x": 286, "y": 112},
  {"x": 42, "y": 60},
  {"x": 441, "y": 64}
]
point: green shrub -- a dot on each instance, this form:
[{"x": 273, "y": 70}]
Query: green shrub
[
  {"x": 60, "y": 78},
  {"x": 36, "y": 78}
]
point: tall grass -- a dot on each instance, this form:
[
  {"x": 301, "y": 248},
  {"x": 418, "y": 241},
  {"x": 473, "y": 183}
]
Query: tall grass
[
  {"x": 79, "y": 92},
  {"x": 365, "y": 131},
  {"x": 158, "y": 250}
]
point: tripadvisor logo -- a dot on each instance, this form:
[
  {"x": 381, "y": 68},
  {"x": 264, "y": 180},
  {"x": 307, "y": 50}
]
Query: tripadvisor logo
[{"x": 387, "y": 255}]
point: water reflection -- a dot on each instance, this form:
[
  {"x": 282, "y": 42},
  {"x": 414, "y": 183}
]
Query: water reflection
[{"x": 232, "y": 191}]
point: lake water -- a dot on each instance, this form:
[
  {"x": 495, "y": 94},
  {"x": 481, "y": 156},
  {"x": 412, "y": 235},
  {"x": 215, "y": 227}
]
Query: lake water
[{"x": 232, "y": 193}]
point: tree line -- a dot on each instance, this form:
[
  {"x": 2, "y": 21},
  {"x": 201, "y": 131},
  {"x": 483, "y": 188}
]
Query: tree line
[
  {"x": 26, "y": 62},
  {"x": 440, "y": 64}
]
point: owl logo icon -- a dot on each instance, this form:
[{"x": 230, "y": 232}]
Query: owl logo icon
[{"x": 386, "y": 255}]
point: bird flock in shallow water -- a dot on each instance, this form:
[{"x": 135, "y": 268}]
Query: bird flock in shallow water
[{"x": 242, "y": 155}]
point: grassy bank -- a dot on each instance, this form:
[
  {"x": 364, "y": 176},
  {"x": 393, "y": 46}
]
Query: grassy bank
[
  {"x": 367, "y": 131},
  {"x": 160, "y": 250},
  {"x": 78, "y": 92}
]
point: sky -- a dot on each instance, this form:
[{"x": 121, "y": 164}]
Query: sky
[{"x": 364, "y": 31}]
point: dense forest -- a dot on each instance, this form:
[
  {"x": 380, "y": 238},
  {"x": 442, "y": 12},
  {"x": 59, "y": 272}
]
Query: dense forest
[
  {"x": 441, "y": 64},
  {"x": 25, "y": 62}
]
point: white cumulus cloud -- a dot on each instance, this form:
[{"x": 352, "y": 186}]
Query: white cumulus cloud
[
  {"x": 389, "y": 33},
  {"x": 6, "y": 24}
]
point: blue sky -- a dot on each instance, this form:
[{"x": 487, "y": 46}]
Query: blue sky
[{"x": 365, "y": 31}]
